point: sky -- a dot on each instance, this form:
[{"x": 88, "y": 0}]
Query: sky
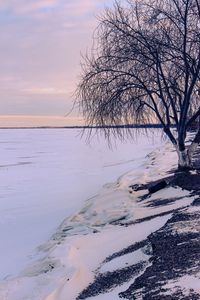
[{"x": 41, "y": 42}]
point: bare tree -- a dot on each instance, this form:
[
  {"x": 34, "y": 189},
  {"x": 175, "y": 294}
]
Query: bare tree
[{"x": 145, "y": 67}]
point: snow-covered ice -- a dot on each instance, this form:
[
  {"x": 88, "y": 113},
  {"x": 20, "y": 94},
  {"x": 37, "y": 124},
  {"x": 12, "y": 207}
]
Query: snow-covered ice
[
  {"x": 46, "y": 175},
  {"x": 60, "y": 199}
]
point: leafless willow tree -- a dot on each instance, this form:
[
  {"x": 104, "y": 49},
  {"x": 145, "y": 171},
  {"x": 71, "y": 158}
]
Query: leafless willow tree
[{"x": 145, "y": 67}]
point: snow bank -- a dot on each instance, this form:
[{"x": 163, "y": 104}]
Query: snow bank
[{"x": 87, "y": 253}]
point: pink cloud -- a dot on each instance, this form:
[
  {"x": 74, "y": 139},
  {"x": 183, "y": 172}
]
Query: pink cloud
[
  {"x": 40, "y": 52},
  {"x": 26, "y": 7}
]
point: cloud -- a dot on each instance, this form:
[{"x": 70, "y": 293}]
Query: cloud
[
  {"x": 45, "y": 91},
  {"x": 40, "y": 46},
  {"x": 80, "y": 8},
  {"x": 71, "y": 7},
  {"x": 27, "y": 6}
]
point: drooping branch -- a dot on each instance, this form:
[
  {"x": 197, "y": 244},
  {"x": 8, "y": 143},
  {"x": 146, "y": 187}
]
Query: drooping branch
[{"x": 145, "y": 67}]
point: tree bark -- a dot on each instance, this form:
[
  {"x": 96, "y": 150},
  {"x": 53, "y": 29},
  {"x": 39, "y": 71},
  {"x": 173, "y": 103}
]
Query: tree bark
[
  {"x": 185, "y": 154},
  {"x": 184, "y": 159}
]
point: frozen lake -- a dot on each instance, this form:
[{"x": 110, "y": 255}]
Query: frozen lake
[{"x": 46, "y": 175}]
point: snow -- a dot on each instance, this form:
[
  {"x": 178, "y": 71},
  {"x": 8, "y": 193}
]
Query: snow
[
  {"x": 186, "y": 283},
  {"x": 85, "y": 256},
  {"x": 189, "y": 226},
  {"x": 124, "y": 261},
  {"x": 190, "y": 282},
  {"x": 46, "y": 175},
  {"x": 61, "y": 201}
]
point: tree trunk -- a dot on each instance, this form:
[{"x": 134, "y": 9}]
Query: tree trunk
[
  {"x": 185, "y": 154},
  {"x": 184, "y": 159}
]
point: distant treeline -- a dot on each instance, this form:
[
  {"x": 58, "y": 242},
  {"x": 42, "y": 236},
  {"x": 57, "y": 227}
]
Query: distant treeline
[
  {"x": 88, "y": 127},
  {"x": 118, "y": 126}
]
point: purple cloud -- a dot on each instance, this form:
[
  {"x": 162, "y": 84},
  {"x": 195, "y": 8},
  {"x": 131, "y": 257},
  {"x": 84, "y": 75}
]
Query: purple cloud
[{"x": 40, "y": 47}]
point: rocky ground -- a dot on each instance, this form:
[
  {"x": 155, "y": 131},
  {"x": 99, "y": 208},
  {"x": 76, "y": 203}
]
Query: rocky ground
[{"x": 172, "y": 270}]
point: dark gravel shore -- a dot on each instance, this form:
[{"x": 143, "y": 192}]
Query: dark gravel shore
[{"x": 174, "y": 252}]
